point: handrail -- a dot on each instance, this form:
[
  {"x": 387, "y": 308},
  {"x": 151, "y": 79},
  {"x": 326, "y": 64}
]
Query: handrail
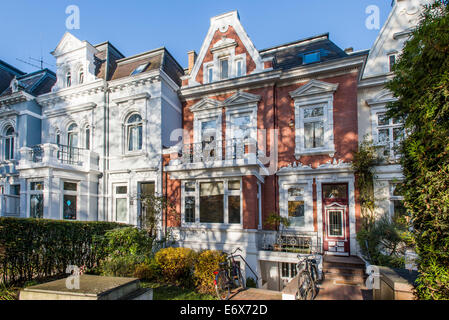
[{"x": 246, "y": 263}]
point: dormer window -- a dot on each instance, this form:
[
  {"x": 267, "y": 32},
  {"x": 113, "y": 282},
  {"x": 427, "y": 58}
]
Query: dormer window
[
  {"x": 224, "y": 69},
  {"x": 81, "y": 76},
  {"x": 311, "y": 57},
  {"x": 139, "y": 69},
  {"x": 68, "y": 79}
]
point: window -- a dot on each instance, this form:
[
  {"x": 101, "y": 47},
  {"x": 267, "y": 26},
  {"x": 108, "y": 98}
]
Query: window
[
  {"x": 121, "y": 203},
  {"x": 87, "y": 138},
  {"x": 239, "y": 68},
  {"x": 390, "y": 134},
  {"x": 134, "y": 132},
  {"x": 397, "y": 207},
  {"x": 288, "y": 270},
  {"x": 72, "y": 136},
  {"x": 313, "y": 127},
  {"x": 58, "y": 137},
  {"x": 81, "y": 76},
  {"x": 210, "y": 74},
  {"x": 139, "y": 69},
  {"x": 212, "y": 202},
  {"x": 69, "y": 196},
  {"x": 68, "y": 79},
  {"x": 36, "y": 199},
  {"x": 296, "y": 213},
  {"x": 311, "y": 57},
  {"x": 392, "y": 61},
  {"x": 9, "y": 143},
  {"x": 224, "y": 69},
  {"x": 147, "y": 192}
]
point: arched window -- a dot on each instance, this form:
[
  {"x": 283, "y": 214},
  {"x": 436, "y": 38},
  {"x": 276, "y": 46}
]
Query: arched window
[
  {"x": 87, "y": 137},
  {"x": 134, "y": 132},
  {"x": 68, "y": 79},
  {"x": 81, "y": 76},
  {"x": 72, "y": 136},
  {"x": 9, "y": 143}
]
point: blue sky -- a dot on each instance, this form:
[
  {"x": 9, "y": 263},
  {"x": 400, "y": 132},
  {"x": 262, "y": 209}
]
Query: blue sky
[{"x": 31, "y": 27}]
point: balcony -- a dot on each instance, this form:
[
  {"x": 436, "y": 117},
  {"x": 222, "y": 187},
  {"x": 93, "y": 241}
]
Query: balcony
[
  {"x": 290, "y": 241},
  {"x": 58, "y": 156}
]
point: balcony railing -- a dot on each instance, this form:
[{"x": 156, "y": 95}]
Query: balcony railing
[
  {"x": 233, "y": 149},
  {"x": 290, "y": 241},
  {"x": 52, "y": 154}
]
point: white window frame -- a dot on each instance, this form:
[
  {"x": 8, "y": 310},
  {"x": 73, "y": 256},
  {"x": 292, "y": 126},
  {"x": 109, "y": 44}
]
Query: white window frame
[
  {"x": 116, "y": 196},
  {"x": 209, "y": 67},
  {"x": 392, "y": 186},
  {"x": 127, "y": 126},
  {"x": 240, "y": 111},
  {"x": 227, "y": 193},
  {"x": 69, "y": 193},
  {"x": 34, "y": 192},
  {"x": 308, "y": 204},
  {"x": 12, "y": 144},
  {"x": 390, "y": 127},
  {"x": 314, "y": 94}
]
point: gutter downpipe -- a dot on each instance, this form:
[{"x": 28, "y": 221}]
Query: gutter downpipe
[{"x": 105, "y": 137}]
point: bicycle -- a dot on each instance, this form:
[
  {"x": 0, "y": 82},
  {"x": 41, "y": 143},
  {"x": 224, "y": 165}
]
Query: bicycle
[
  {"x": 307, "y": 277},
  {"x": 228, "y": 277}
]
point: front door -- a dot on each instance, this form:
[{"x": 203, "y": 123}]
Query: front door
[{"x": 335, "y": 219}]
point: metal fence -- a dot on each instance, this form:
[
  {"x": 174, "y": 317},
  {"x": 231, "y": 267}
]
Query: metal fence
[{"x": 291, "y": 241}]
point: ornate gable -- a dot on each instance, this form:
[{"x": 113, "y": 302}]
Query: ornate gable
[
  {"x": 314, "y": 87},
  {"x": 226, "y": 37},
  {"x": 68, "y": 43},
  {"x": 242, "y": 98},
  {"x": 206, "y": 104}
]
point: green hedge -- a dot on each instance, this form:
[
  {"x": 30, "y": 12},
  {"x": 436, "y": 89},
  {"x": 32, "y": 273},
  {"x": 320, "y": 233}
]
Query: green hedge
[{"x": 35, "y": 248}]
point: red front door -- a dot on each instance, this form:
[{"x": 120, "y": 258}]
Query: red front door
[{"x": 335, "y": 219}]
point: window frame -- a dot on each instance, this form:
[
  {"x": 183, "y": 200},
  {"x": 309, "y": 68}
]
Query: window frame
[
  {"x": 9, "y": 155},
  {"x": 128, "y": 126},
  {"x": 70, "y": 193},
  {"x": 35, "y": 192},
  {"x": 308, "y": 203},
  {"x": 116, "y": 196},
  {"x": 226, "y": 194},
  {"x": 391, "y": 126}
]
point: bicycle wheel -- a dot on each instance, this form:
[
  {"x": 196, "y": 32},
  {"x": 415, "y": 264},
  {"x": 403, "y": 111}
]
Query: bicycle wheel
[
  {"x": 305, "y": 290},
  {"x": 222, "y": 286}
]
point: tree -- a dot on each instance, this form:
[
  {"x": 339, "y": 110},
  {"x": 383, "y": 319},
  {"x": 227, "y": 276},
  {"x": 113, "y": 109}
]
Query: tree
[{"x": 421, "y": 86}]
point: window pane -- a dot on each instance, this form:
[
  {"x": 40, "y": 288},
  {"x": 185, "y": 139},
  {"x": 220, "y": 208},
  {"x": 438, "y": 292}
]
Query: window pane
[
  {"x": 147, "y": 189},
  {"x": 384, "y": 135},
  {"x": 121, "y": 210},
  {"x": 37, "y": 186},
  {"x": 392, "y": 61},
  {"x": 189, "y": 209},
  {"x": 234, "y": 209},
  {"x": 296, "y": 213},
  {"x": 382, "y": 119},
  {"x": 7, "y": 149},
  {"x": 121, "y": 190},
  {"x": 335, "y": 223},
  {"x": 15, "y": 190},
  {"x": 295, "y": 192},
  {"x": 313, "y": 135},
  {"x": 70, "y": 186},
  {"x": 339, "y": 191},
  {"x": 210, "y": 74},
  {"x": 224, "y": 69},
  {"x": 241, "y": 126},
  {"x": 399, "y": 208},
  {"x": 73, "y": 140},
  {"x": 37, "y": 206},
  {"x": 69, "y": 212},
  {"x": 311, "y": 57},
  {"x": 398, "y": 134},
  {"x": 88, "y": 139},
  {"x": 211, "y": 202},
  {"x": 239, "y": 69},
  {"x": 190, "y": 186}
]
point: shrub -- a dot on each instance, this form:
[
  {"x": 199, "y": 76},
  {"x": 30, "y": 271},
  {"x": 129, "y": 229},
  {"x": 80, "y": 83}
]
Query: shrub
[
  {"x": 176, "y": 265},
  {"x": 205, "y": 265},
  {"x": 149, "y": 271},
  {"x": 128, "y": 241},
  {"x": 38, "y": 248}
]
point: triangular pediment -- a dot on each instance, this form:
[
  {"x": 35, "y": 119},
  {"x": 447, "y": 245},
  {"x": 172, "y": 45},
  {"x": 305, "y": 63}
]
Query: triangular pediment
[
  {"x": 314, "y": 87},
  {"x": 68, "y": 43},
  {"x": 206, "y": 104},
  {"x": 241, "y": 98}
]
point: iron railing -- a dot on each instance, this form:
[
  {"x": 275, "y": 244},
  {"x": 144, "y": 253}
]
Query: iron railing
[
  {"x": 291, "y": 241},
  {"x": 217, "y": 150},
  {"x": 69, "y": 155}
]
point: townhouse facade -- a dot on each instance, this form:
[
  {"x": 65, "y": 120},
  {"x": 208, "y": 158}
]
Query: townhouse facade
[{"x": 252, "y": 148}]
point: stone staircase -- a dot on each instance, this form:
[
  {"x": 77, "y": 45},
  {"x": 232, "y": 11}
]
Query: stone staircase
[{"x": 344, "y": 270}]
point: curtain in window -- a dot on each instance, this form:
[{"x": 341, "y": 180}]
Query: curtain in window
[{"x": 313, "y": 135}]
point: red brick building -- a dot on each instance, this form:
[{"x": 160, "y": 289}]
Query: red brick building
[{"x": 266, "y": 133}]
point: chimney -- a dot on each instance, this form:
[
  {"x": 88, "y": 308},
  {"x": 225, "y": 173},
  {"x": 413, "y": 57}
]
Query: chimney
[
  {"x": 192, "y": 59},
  {"x": 349, "y": 50}
]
